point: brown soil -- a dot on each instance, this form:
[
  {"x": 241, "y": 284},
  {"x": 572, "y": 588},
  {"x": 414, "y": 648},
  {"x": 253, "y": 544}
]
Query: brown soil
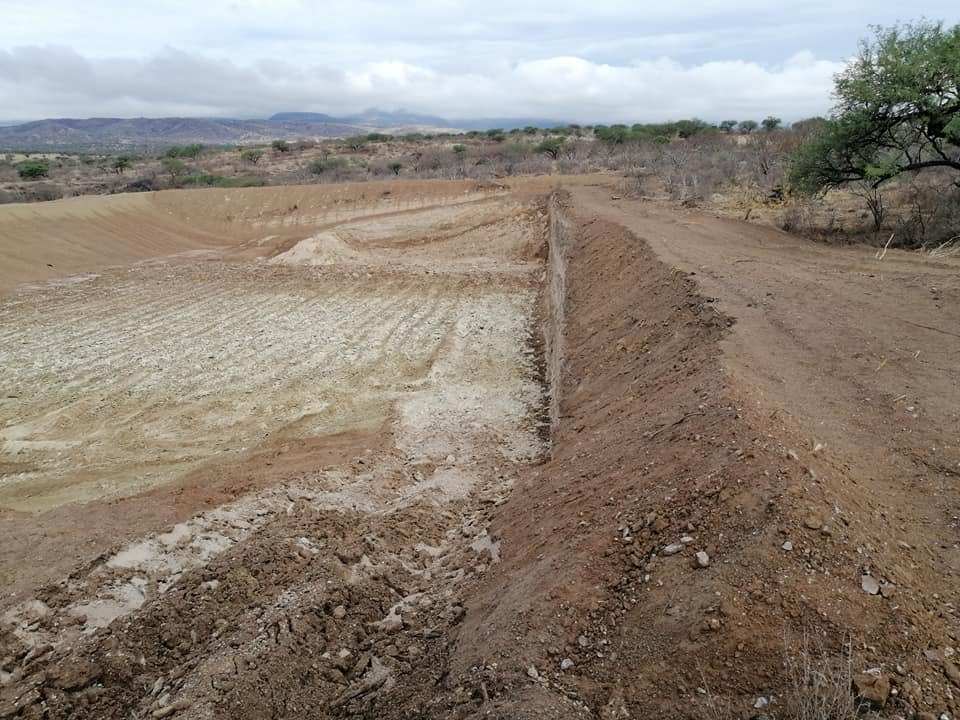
[{"x": 789, "y": 409}]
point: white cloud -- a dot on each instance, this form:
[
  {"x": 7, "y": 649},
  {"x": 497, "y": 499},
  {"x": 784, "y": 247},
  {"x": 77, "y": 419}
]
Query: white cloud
[
  {"x": 606, "y": 60},
  {"x": 56, "y": 81}
]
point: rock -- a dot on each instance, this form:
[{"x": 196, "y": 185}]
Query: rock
[
  {"x": 660, "y": 524},
  {"x": 703, "y": 560},
  {"x": 532, "y": 673},
  {"x": 888, "y": 590},
  {"x": 812, "y": 522},
  {"x": 686, "y": 540},
  {"x": 926, "y": 716},
  {"x": 566, "y": 664},
  {"x": 869, "y": 585},
  {"x": 339, "y": 612},
  {"x": 951, "y": 671},
  {"x": 672, "y": 549},
  {"x": 872, "y": 689},
  {"x": 73, "y": 674},
  {"x": 788, "y": 546},
  {"x": 583, "y": 641}
]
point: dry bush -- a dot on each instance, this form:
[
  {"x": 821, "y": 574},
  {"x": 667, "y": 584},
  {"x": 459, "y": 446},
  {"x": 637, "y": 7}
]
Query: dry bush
[
  {"x": 820, "y": 684},
  {"x": 929, "y": 216}
]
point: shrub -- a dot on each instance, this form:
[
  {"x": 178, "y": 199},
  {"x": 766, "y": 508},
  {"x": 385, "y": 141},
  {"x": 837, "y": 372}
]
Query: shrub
[
  {"x": 319, "y": 166},
  {"x": 33, "y": 169},
  {"x": 251, "y": 155}
]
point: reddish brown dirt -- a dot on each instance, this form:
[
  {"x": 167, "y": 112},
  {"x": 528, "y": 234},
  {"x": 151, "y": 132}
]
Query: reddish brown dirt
[
  {"x": 726, "y": 388},
  {"x": 813, "y": 419}
]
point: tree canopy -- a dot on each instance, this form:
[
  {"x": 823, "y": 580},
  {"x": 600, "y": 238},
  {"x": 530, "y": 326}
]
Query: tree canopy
[{"x": 898, "y": 110}]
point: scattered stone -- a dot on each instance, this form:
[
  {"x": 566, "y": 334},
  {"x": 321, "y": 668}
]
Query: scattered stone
[
  {"x": 887, "y": 590},
  {"x": 583, "y": 641},
  {"x": 703, "y": 560},
  {"x": 788, "y": 546},
  {"x": 686, "y": 540},
  {"x": 74, "y": 674},
  {"x": 869, "y": 585},
  {"x": 672, "y": 549},
  {"x": 339, "y": 612},
  {"x": 171, "y": 709},
  {"x": 392, "y": 622},
  {"x": 760, "y": 703},
  {"x": 566, "y": 664},
  {"x": 813, "y": 522},
  {"x": 532, "y": 673},
  {"x": 872, "y": 689},
  {"x": 950, "y": 670},
  {"x": 792, "y": 454}
]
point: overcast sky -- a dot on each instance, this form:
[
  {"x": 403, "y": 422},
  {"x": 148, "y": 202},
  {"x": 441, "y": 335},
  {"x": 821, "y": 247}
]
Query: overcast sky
[{"x": 587, "y": 61}]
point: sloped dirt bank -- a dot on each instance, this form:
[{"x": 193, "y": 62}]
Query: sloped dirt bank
[{"x": 827, "y": 572}]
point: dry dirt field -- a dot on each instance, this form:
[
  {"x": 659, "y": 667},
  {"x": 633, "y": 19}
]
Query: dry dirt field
[{"x": 430, "y": 449}]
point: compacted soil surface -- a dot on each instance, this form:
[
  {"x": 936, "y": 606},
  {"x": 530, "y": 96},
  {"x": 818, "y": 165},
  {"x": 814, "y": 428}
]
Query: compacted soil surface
[{"x": 466, "y": 450}]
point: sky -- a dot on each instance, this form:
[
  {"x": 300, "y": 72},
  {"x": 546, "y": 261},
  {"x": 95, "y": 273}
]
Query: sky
[{"x": 598, "y": 61}]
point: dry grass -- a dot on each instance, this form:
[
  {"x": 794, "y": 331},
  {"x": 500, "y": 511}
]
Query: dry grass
[{"x": 820, "y": 683}]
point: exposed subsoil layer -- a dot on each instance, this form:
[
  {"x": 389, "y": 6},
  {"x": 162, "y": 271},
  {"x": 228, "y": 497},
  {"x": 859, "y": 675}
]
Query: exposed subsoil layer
[{"x": 299, "y": 470}]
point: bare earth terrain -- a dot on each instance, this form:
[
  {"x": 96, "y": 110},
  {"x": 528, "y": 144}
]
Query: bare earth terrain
[{"x": 460, "y": 450}]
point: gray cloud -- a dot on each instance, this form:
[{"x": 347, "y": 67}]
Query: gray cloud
[{"x": 608, "y": 60}]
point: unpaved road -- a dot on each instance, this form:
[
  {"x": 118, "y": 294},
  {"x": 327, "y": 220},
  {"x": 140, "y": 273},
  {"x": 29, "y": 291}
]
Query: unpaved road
[{"x": 299, "y": 468}]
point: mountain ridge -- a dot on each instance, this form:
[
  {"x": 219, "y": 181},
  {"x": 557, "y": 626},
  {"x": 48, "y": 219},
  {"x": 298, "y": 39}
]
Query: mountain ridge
[{"x": 144, "y": 133}]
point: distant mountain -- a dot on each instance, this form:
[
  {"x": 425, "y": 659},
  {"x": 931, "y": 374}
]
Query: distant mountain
[
  {"x": 302, "y": 117},
  {"x": 370, "y": 118},
  {"x": 401, "y": 118},
  {"x": 148, "y": 134},
  {"x": 505, "y": 123},
  {"x": 141, "y": 134}
]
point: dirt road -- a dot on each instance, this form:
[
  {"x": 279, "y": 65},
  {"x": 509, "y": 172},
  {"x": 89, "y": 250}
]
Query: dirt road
[{"x": 301, "y": 468}]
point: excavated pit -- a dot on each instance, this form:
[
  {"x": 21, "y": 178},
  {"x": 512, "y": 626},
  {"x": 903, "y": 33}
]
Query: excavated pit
[{"x": 417, "y": 335}]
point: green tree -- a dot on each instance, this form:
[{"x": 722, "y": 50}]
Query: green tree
[
  {"x": 728, "y": 125},
  {"x": 174, "y": 167},
  {"x": 395, "y": 167},
  {"x": 898, "y": 111},
  {"x": 251, "y": 155},
  {"x": 771, "y": 123},
  {"x": 319, "y": 166},
  {"x": 459, "y": 150},
  {"x": 550, "y": 146},
  {"x": 193, "y": 150},
  {"x": 280, "y": 146},
  {"x": 121, "y": 163},
  {"x": 747, "y": 126},
  {"x": 33, "y": 169}
]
